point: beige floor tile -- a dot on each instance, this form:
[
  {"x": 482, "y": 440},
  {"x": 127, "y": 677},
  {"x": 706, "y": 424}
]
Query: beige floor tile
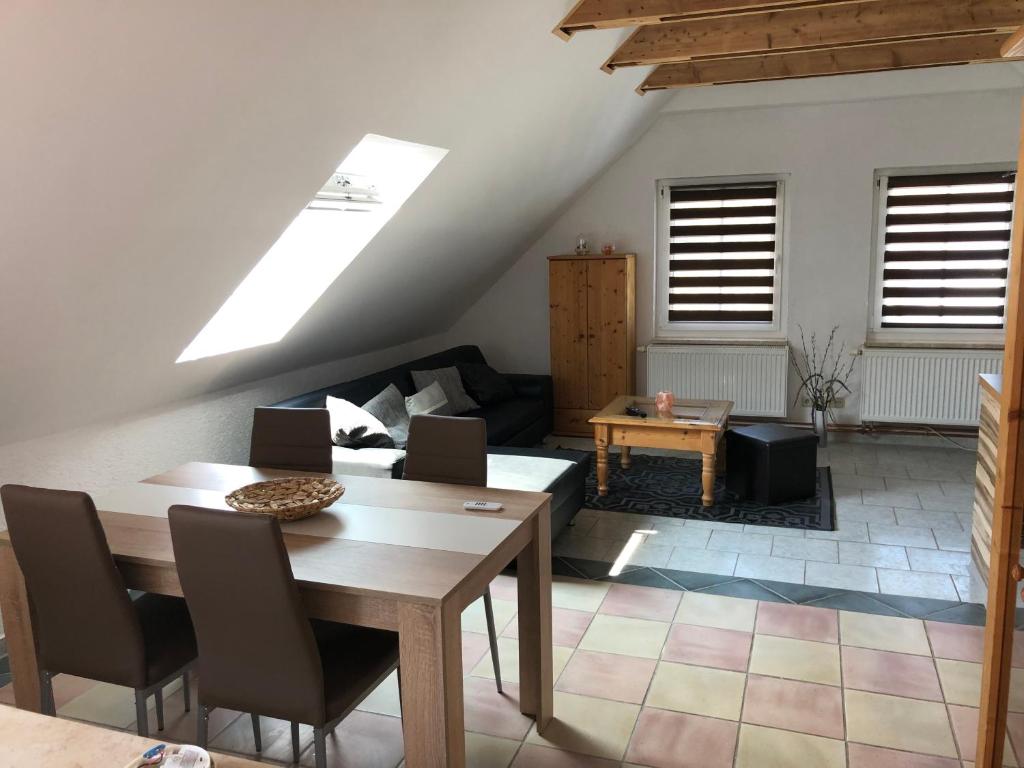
[
  {"x": 474, "y": 619},
  {"x": 508, "y": 657},
  {"x": 578, "y": 594},
  {"x": 961, "y": 681},
  {"x": 595, "y": 727},
  {"x": 630, "y": 637},
  {"x": 384, "y": 699},
  {"x": 795, "y": 659},
  {"x": 883, "y": 633},
  {"x": 898, "y": 723},
  {"x": 489, "y": 751},
  {"x": 717, "y": 611},
  {"x": 770, "y": 748},
  {"x": 104, "y": 704},
  {"x": 1017, "y": 690},
  {"x": 697, "y": 690}
]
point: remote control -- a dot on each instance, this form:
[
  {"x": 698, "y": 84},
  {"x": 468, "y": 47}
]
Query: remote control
[{"x": 482, "y": 506}]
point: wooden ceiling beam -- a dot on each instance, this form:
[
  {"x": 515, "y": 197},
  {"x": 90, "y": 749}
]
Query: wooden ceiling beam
[
  {"x": 612, "y": 14},
  {"x": 876, "y": 57},
  {"x": 816, "y": 28},
  {"x": 1014, "y": 45}
]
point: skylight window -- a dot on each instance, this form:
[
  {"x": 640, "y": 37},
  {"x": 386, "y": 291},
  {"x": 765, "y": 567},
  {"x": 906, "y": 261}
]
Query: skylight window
[{"x": 367, "y": 189}]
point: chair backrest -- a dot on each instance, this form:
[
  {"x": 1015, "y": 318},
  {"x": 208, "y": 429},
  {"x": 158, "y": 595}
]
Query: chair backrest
[
  {"x": 85, "y": 620},
  {"x": 291, "y": 439},
  {"x": 446, "y": 449},
  {"x": 257, "y": 652}
]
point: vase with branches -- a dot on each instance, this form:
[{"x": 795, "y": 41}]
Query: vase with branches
[{"x": 823, "y": 377}]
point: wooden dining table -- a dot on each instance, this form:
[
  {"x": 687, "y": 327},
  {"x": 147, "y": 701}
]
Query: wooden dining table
[{"x": 391, "y": 554}]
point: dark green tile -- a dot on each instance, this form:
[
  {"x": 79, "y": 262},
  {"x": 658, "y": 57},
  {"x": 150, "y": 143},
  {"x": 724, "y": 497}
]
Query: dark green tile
[
  {"x": 961, "y": 613},
  {"x": 691, "y": 580},
  {"x": 915, "y": 607},
  {"x": 644, "y": 577},
  {"x": 855, "y": 601},
  {"x": 596, "y": 569},
  {"x": 797, "y": 593},
  {"x": 561, "y": 566},
  {"x": 746, "y": 588}
]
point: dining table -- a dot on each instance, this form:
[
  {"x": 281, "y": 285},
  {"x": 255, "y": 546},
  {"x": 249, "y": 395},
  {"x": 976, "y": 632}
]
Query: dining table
[{"x": 399, "y": 555}]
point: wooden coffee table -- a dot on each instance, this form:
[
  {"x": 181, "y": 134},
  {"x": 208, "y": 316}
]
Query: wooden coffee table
[{"x": 695, "y": 425}]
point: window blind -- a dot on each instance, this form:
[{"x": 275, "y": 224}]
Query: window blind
[
  {"x": 947, "y": 249},
  {"x": 722, "y": 253}
]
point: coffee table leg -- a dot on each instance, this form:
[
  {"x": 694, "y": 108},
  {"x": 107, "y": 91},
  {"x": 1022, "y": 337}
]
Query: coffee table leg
[
  {"x": 624, "y": 457},
  {"x": 707, "y": 477},
  {"x": 601, "y": 441}
]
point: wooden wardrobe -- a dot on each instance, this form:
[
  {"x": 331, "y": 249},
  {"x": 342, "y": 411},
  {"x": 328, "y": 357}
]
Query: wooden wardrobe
[{"x": 592, "y": 301}]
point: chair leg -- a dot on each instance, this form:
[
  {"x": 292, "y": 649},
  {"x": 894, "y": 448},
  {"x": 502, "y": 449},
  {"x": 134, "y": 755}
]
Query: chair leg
[
  {"x": 186, "y": 690},
  {"x": 202, "y": 725},
  {"x": 47, "y": 702},
  {"x": 320, "y": 747},
  {"x": 159, "y": 696},
  {"x": 295, "y": 743},
  {"x": 256, "y": 736},
  {"x": 141, "y": 715},
  {"x": 492, "y": 636}
]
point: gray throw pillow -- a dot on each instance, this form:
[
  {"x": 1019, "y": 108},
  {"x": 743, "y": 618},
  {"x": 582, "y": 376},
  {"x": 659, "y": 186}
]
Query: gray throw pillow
[
  {"x": 389, "y": 407},
  {"x": 429, "y": 400},
  {"x": 451, "y": 383}
]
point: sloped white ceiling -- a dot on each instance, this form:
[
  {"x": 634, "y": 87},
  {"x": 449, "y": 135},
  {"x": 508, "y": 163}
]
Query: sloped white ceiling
[{"x": 151, "y": 152}]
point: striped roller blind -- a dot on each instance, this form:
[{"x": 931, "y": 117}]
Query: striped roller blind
[
  {"x": 722, "y": 253},
  {"x": 947, "y": 249}
]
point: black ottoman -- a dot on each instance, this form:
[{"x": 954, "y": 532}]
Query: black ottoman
[{"x": 771, "y": 463}]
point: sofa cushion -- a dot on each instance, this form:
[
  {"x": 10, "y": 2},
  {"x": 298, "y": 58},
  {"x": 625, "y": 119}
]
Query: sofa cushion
[
  {"x": 352, "y": 427},
  {"x": 458, "y": 401},
  {"x": 508, "y": 418},
  {"x": 365, "y": 462},
  {"x": 430, "y": 399},
  {"x": 485, "y": 384},
  {"x": 524, "y": 473},
  {"x": 389, "y": 407}
]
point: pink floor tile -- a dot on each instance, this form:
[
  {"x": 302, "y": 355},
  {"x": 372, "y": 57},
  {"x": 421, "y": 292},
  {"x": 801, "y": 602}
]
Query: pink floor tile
[
  {"x": 534, "y": 756},
  {"x": 505, "y": 588},
  {"x": 862, "y": 756},
  {"x": 474, "y": 646},
  {"x": 7, "y": 695},
  {"x": 898, "y": 674},
  {"x": 803, "y": 622},
  {"x": 965, "y": 729},
  {"x": 1015, "y": 730},
  {"x": 493, "y": 713},
  {"x": 794, "y": 706},
  {"x": 673, "y": 740},
  {"x": 65, "y": 688},
  {"x": 708, "y": 647},
  {"x": 365, "y": 740},
  {"x": 956, "y": 641},
  {"x": 567, "y": 626},
  {"x": 607, "y": 676},
  {"x": 641, "y": 602}
]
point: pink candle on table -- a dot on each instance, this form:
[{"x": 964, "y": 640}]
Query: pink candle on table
[{"x": 664, "y": 401}]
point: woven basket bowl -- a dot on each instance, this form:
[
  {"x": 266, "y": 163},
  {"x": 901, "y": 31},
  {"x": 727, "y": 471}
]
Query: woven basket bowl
[{"x": 287, "y": 498}]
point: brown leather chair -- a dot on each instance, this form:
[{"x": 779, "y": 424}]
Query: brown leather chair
[
  {"x": 86, "y": 622},
  {"x": 258, "y": 651},
  {"x": 452, "y": 449},
  {"x": 296, "y": 439}
]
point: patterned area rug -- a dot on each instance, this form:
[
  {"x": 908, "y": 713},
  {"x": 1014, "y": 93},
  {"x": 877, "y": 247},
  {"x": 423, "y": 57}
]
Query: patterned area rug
[{"x": 671, "y": 487}]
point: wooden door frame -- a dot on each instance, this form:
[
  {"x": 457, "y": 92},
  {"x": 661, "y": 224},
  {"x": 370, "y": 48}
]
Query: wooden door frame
[{"x": 1009, "y": 502}]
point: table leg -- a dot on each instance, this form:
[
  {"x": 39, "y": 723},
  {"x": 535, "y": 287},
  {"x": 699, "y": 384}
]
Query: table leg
[
  {"x": 601, "y": 441},
  {"x": 624, "y": 458},
  {"x": 533, "y": 569},
  {"x": 21, "y": 647},
  {"x": 707, "y": 477},
  {"x": 430, "y": 655}
]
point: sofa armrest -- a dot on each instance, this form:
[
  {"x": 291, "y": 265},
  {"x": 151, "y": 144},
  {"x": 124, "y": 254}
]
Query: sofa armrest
[{"x": 536, "y": 385}]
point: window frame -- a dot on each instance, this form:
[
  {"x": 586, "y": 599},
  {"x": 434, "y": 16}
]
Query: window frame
[
  {"x": 876, "y": 332},
  {"x": 667, "y": 329}
]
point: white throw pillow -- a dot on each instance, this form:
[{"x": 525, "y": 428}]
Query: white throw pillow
[
  {"x": 430, "y": 399},
  {"x": 348, "y": 416}
]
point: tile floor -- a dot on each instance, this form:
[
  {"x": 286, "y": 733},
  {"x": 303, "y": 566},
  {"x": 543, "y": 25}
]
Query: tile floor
[
  {"x": 903, "y": 514},
  {"x": 669, "y": 679}
]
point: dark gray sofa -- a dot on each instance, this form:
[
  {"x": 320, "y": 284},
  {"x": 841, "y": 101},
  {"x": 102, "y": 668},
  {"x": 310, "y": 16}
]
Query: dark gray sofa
[{"x": 523, "y": 421}]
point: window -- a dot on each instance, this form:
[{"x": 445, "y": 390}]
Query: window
[
  {"x": 367, "y": 189},
  {"x": 720, "y": 246},
  {"x": 944, "y": 244}
]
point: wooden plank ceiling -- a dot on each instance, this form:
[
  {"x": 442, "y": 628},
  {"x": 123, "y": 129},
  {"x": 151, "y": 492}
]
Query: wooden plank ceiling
[{"x": 706, "y": 42}]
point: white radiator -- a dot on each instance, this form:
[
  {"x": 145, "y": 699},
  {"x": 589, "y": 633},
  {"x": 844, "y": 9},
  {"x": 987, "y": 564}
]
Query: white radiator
[
  {"x": 924, "y": 386},
  {"x": 753, "y": 377}
]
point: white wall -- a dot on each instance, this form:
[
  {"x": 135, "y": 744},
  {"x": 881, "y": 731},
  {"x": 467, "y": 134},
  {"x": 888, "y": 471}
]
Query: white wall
[{"x": 830, "y": 150}]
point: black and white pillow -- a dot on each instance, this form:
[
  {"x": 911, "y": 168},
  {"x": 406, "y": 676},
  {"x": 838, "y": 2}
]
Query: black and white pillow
[
  {"x": 353, "y": 427},
  {"x": 451, "y": 383}
]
